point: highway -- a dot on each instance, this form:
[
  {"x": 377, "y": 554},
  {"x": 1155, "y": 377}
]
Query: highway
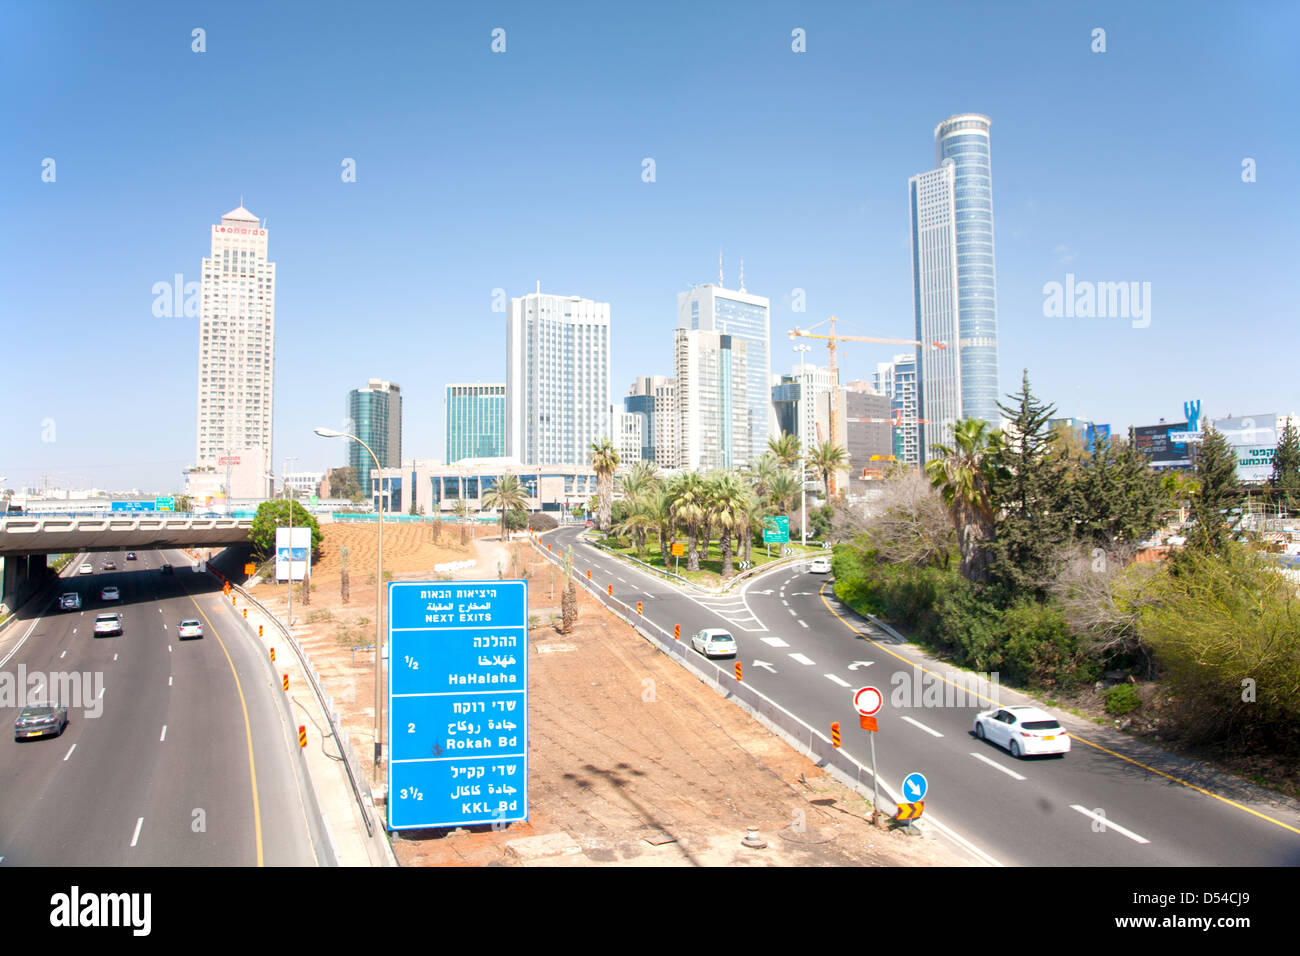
[
  {"x": 186, "y": 759},
  {"x": 1112, "y": 801}
]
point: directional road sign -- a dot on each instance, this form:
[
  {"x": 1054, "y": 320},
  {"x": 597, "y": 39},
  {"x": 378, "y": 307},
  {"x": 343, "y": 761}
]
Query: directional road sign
[
  {"x": 164, "y": 504},
  {"x": 910, "y": 811},
  {"x": 776, "y": 530},
  {"x": 867, "y": 701},
  {"x": 458, "y": 703},
  {"x": 915, "y": 786}
]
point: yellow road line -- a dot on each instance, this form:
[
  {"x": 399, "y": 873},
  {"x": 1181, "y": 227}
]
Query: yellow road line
[
  {"x": 248, "y": 731},
  {"x": 1082, "y": 740}
]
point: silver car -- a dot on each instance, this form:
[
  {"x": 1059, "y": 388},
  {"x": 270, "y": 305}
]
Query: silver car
[
  {"x": 714, "y": 642},
  {"x": 108, "y": 624},
  {"x": 41, "y": 720}
]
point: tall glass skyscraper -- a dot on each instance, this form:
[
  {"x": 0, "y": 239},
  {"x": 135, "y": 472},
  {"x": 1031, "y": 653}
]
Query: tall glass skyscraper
[
  {"x": 476, "y": 421},
  {"x": 954, "y": 280},
  {"x": 376, "y": 413}
]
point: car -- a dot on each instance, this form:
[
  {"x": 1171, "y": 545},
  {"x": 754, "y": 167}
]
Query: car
[
  {"x": 86, "y": 568},
  {"x": 71, "y": 601},
  {"x": 820, "y": 566},
  {"x": 1023, "y": 730},
  {"x": 714, "y": 642},
  {"x": 40, "y": 720},
  {"x": 108, "y": 623},
  {"x": 110, "y": 566},
  {"x": 189, "y": 628},
  {"x": 110, "y": 593},
  {"x": 165, "y": 568},
  {"x": 130, "y": 555}
]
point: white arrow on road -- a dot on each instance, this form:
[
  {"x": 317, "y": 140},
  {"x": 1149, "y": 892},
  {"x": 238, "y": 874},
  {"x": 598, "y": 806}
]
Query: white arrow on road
[
  {"x": 856, "y": 664},
  {"x": 765, "y": 664}
]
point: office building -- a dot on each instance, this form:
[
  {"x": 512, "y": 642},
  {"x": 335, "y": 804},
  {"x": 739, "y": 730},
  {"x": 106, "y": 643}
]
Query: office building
[
  {"x": 897, "y": 380},
  {"x": 954, "y": 280},
  {"x": 558, "y": 378},
  {"x": 713, "y": 404},
  {"x": 744, "y": 317},
  {"x": 375, "y": 411},
  {"x": 654, "y": 399},
  {"x": 236, "y": 342},
  {"x": 628, "y": 436},
  {"x": 476, "y": 421}
]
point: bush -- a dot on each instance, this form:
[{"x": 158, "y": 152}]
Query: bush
[
  {"x": 1122, "y": 698},
  {"x": 540, "y": 521},
  {"x": 516, "y": 520}
]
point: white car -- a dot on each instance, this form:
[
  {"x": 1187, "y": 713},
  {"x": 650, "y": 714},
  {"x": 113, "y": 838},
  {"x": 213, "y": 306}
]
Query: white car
[
  {"x": 87, "y": 568},
  {"x": 189, "y": 628},
  {"x": 110, "y": 593},
  {"x": 1024, "y": 731},
  {"x": 108, "y": 623},
  {"x": 820, "y": 566},
  {"x": 714, "y": 642}
]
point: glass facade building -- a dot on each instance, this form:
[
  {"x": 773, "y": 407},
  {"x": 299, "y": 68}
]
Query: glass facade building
[
  {"x": 375, "y": 412},
  {"x": 476, "y": 421}
]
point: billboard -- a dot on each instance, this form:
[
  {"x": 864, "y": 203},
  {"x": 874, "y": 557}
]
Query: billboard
[
  {"x": 1154, "y": 442},
  {"x": 1092, "y": 432},
  {"x": 1254, "y": 440},
  {"x": 292, "y": 555}
]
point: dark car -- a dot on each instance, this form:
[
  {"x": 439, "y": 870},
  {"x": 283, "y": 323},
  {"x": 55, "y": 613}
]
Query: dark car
[
  {"x": 130, "y": 555},
  {"x": 165, "y": 569},
  {"x": 41, "y": 720}
]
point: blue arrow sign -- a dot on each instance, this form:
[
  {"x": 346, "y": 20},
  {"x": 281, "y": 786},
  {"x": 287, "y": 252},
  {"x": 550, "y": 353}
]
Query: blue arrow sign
[
  {"x": 458, "y": 703},
  {"x": 914, "y": 787}
]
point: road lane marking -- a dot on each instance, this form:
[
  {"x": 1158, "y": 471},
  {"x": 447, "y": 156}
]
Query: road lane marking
[
  {"x": 136, "y": 836},
  {"x": 917, "y": 723},
  {"x": 800, "y": 659},
  {"x": 996, "y": 766},
  {"x": 164, "y": 734},
  {"x": 774, "y": 641},
  {"x": 802, "y": 623},
  {"x": 114, "y": 657},
  {"x": 1108, "y": 824},
  {"x": 101, "y": 691},
  {"x": 169, "y": 682},
  {"x": 69, "y": 753},
  {"x": 793, "y": 612},
  {"x": 63, "y": 655},
  {"x": 786, "y": 603},
  {"x": 169, "y": 647},
  {"x": 835, "y": 679}
]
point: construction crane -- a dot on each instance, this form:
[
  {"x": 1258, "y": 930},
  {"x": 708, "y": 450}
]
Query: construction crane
[{"x": 831, "y": 339}]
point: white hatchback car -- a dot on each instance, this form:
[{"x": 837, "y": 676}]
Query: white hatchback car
[
  {"x": 87, "y": 568},
  {"x": 714, "y": 642},
  {"x": 820, "y": 566},
  {"x": 1024, "y": 731}
]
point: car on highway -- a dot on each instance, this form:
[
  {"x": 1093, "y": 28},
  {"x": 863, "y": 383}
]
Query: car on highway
[
  {"x": 110, "y": 593},
  {"x": 70, "y": 601},
  {"x": 189, "y": 628},
  {"x": 820, "y": 566},
  {"x": 130, "y": 555},
  {"x": 108, "y": 623},
  {"x": 1024, "y": 731},
  {"x": 110, "y": 565},
  {"x": 40, "y": 720},
  {"x": 87, "y": 568},
  {"x": 165, "y": 568},
  {"x": 714, "y": 642}
]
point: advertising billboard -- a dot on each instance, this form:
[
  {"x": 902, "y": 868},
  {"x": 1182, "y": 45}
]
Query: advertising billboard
[
  {"x": 1254, "y": 440},
  {"x": 292, "y": 554},
  {"x": 1154, "y": 442}
]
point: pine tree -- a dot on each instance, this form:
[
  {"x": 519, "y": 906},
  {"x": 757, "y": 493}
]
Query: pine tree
[
  {"x": 1285, "y": 480},
  {"x": 1216, "y": 472},
  {"x": 1113, "y": 496}
]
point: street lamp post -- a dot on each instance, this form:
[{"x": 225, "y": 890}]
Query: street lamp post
[
  {"x": 803, "y": 467},
  {"x": 379, "y": 583}
]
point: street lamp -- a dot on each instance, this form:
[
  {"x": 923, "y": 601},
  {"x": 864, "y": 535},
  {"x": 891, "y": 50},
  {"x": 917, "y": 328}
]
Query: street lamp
[
  {"x": 379, "y": 578},
  {"x": 803, "y": 468}
]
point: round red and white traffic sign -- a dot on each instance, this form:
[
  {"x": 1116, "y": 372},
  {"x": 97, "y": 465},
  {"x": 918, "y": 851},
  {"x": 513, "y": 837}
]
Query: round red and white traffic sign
[{"x": 868, "y": 701}]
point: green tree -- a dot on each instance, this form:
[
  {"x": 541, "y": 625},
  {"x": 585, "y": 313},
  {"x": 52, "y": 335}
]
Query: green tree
[
  {"x": 826, "y": 458},
  {"x": 343, "y": 483},
  {"x": 689, "y": 508},
  {"x": 784, "y": 491},
  {"x": 762, "y": 473},
  {"x": 730, "y": 500},
  {"x": 461, "y": 509},
  {"x": 507, "y": 495},
  {"x": 275, "y": 514},
  {"x": 964, "y": 475},
  {"x": 604, "y": 461},
  {"x": 1285, "y": 480},
  {"x": 1113, "y": 496},
  {"x": 787, "y": 449},
  {"x": 1218, "y": 491}
]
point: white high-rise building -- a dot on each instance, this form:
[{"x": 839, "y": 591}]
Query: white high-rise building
[
  {"x": 628, "y": 435},
  {"x": 236, "y": 342},
  {"x": 712, "y": 400},
  {"x": 559, "y": 382},
  {"x": 746, "y": 317}
]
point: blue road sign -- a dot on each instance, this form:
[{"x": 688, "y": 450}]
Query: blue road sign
[
  {"x": 914, "y": 787},
  {"x": 457, "y": 703},
  {"x": 132, "y": 506}
]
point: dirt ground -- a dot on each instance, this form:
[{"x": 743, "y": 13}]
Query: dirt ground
[{"x": 633, "y": 761}]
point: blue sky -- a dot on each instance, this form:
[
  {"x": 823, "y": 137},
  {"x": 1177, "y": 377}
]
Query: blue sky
[{"x": 478, "y": 170}]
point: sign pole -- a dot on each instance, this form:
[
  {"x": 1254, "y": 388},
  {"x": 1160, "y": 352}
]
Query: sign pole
[{"x": 875, "y": 791}]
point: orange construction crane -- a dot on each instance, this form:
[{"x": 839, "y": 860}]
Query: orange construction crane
[{"x": 831, "y": 339}]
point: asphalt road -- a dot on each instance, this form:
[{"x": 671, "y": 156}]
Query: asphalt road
[
  {"x": 184, "y": 760},
  {"x": 1106, "y": 803}
]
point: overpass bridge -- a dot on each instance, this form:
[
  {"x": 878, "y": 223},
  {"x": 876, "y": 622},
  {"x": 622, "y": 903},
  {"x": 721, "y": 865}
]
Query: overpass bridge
[{"x": 25, "y": 540}]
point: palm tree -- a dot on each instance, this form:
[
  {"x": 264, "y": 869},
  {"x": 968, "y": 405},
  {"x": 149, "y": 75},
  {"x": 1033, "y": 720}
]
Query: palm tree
[
  {"x": 640, "y": 478},
  {"x": 752, "y": 517},
  {"x": 460, "y": 508},
  {"x": 638, "y": 521},
  {"x": 604, "y": 460},
  {"x": 762, "y": 473},
  {"x": 786, "y": 448},
  {"x": 785, "y": 488},
  {"x": 827, "y": 457},
  {"x": 689, "y": 507},
  {"x": 508, "y": 494},
  {"x": 729, "y": 500},
  {"x": 964, "y": 475},
  {"x": 659, "y": 503}
]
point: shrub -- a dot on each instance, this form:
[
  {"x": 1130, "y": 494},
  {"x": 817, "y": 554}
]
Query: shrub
[
  {"x": 1122, "y": 698},
  {"x": 541, "y": 521}
]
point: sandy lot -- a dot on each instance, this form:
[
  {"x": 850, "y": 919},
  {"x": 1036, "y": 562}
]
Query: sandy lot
[{"x": 633, "y": 760}]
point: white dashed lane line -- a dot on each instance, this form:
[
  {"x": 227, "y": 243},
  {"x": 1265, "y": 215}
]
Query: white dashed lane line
[
  {"x": 996, "y": 766},
  {"x": 163, "y": 736},
  {"x": 835, "y": 679},
  {"x": 136, "y": 835},
  {"x": 917, "y": 723},
  {"x": 774, "y": 642},
  {"x": 800, "y": 659},
  {"x": 1108, "y": 824},
  {"x": 69, "y": 753},
  {"x": 803, "y": 624}
]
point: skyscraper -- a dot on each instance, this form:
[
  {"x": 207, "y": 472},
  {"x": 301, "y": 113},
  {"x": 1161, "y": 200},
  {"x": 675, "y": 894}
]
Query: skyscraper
[
  {"x": 712, "y": 399},
  {"x": 954, "y": 280},
  {"x": 747, "y": 317},
  {"x": 376, "y": 413},
  {"x": 654, "y": 399},
  {"x": 236, "y": 342},
  {"x": 559, "y": 382},
  {"x": 476, "y": 421},
  {"x": 897, "y": 380}
]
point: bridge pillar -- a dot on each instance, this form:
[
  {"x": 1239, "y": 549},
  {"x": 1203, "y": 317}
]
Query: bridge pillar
[{"x": 21, "y": 577}]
